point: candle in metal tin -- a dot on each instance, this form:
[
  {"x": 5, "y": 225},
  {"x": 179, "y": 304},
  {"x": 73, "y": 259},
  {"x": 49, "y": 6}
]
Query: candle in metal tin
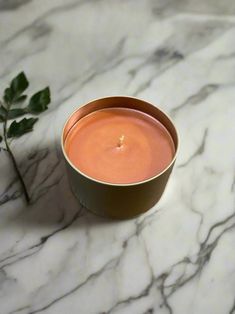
[{"x": 119, "y": 152}]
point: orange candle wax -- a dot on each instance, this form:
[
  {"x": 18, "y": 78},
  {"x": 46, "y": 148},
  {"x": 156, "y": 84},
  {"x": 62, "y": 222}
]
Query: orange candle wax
[{"x": 119, "y": 145}]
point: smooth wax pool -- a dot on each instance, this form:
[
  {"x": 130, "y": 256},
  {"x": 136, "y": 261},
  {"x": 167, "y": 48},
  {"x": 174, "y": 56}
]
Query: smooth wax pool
[{"x": 119, "y": 145}]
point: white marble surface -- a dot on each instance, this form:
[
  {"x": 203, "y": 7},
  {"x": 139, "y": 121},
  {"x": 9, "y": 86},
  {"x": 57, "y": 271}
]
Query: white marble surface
[{"x": 55, "y": 258}]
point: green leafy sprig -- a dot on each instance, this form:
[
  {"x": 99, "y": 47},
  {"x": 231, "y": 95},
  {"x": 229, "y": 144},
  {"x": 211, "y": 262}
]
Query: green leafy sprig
[{"x": 14, "y": 97}]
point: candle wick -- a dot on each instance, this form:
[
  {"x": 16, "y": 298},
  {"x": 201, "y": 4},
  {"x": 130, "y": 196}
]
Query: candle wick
[{"x": 121, "y": 140}]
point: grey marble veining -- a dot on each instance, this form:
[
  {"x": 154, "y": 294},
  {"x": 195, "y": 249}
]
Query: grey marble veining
[{"x": 179, "y": 258}]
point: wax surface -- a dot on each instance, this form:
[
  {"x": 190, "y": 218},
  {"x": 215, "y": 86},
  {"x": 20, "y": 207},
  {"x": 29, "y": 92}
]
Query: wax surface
[{"x": 119, "y": 145}]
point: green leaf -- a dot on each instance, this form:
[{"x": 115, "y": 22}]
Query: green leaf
[
  {"x": 17, "y": 129},
  {"x": 39, "y": 101},
  {"x": 3, "y": 113},
  {"x": 21, "y": 99},
  {"x": 17, "y": 86},
  {"x": 8, "y": 95},
  {"x": 3, "y": 110},
  {"x": 14, "y": 113}
]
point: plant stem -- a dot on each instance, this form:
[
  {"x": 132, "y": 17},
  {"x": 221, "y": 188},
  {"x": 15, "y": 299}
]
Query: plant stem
[{"x": 14, "y": 163}]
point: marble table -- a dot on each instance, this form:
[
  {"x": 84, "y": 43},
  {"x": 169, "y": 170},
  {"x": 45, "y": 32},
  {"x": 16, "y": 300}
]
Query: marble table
[{"x": 179, "y": 258}]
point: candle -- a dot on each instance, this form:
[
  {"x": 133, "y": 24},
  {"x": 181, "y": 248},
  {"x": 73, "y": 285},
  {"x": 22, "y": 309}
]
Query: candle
[
  {"x": 119, "y": 153},
  {"x": 119, "y": 145}
]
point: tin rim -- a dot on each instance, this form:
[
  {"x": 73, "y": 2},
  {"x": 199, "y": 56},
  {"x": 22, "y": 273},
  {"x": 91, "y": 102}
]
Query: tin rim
[{"x": 120, "y": 184}]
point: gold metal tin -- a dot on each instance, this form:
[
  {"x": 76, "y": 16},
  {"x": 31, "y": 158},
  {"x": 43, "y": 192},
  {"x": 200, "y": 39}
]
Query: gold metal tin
[{"x": 120, "y": 201}]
